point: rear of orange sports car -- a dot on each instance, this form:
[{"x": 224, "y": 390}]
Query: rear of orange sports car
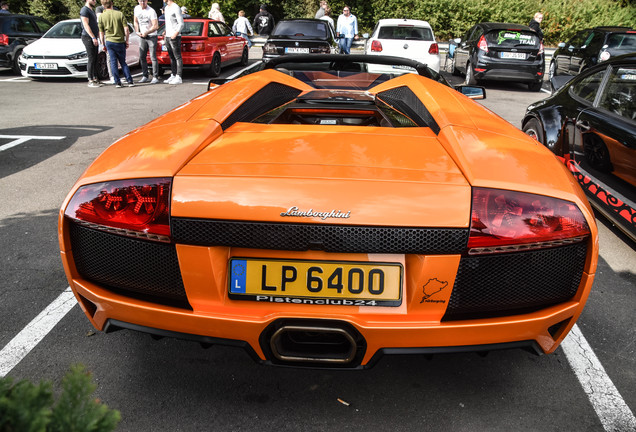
[{"x": 326, "y": 227}]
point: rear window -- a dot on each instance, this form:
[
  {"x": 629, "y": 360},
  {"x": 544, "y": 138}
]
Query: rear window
[
  {"x": 405, "y": 33},
  {"x": 622, "y": 41},
  {"x": 192, "y": 28},
  {"x": 301, "y": 29},
  {"x": 512, "y": 38}
]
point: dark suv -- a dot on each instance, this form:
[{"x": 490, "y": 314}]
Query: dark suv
[
  {"x": 591, "y": 46},
  {"x": 502, "y": 52},
  {"x": 16, "y": 32}
]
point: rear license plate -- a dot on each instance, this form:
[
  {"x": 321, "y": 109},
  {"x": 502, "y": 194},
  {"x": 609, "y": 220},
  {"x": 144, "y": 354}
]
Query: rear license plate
[
  {"x": 316, "y": 282},
  {"x": 513, "y": 55},
  {"x": 296, "y": 50},
  {"x": 45, "y": 65}
]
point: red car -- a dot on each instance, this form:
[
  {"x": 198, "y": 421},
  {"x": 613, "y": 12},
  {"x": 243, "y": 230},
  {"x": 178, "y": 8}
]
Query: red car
[{"x": 206, "y": 44}]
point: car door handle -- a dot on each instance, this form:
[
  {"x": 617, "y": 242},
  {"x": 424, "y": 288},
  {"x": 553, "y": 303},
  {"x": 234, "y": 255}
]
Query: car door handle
[{"x": 583, "y": 125}]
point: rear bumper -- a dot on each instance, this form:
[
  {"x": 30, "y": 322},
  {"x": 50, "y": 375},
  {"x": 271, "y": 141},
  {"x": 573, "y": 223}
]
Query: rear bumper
[{"x": 510, "y": 70}]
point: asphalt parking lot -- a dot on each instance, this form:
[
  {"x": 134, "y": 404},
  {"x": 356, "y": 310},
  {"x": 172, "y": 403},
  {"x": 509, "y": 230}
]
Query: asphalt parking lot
[{"x": 50, "y": 130}]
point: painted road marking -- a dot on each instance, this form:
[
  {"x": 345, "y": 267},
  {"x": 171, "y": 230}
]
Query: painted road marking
[
  {"x": 613, "y": 412},
  {"x": 20, "y": 139},
  {"x": 34, "y": 332},
  {"x": 610, "y": 407}
]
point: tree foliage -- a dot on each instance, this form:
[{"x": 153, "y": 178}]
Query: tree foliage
[{"x": 449, "y": 18}]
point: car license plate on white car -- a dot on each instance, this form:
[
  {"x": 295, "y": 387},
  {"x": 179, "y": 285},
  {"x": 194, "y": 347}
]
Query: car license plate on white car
[
  {"x": 46, "y": 65},
  {"x": 512, "y": 55},
  {"x": 293, "y": 50}
]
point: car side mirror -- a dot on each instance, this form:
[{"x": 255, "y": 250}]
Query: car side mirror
[{"x": 473, "y": 92}]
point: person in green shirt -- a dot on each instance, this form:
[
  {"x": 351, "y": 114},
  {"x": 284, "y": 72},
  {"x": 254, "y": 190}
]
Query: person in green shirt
[{"x": 113, "y": 32}]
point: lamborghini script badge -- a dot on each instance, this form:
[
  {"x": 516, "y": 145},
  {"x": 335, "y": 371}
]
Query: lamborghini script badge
[{"x": 296, "y": 212}]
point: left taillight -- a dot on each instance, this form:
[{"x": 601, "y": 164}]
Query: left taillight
[
  {"x": 503, "y": 220},
  {"x": 137, "y": 207},
  {"x": 482, "y": 44},
  {"x": 433, "y": 49},
  {"x": 4, "y": 39},
  {"x": 376, "y": 46}
]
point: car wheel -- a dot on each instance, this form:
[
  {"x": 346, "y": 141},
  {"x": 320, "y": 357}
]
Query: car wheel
[
  {"x": 535, "y": 86},
  {"x": 596, "y": 153},
  {"x": 215, "y": 67},
  {"x": 245, "y": 57},
  {"x": 533, "y": 129},
  {"x": 15, "y": 65},
  {"x": 102, "y": 66},
  {"x": 552, "y": 70},
  {"x": 470, "y": 77}
]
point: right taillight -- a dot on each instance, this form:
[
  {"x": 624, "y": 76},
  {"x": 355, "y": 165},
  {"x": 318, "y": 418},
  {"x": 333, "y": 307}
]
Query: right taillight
[
  {"x": 482, "y": 44},
  {"x": 433, "y": 49},
  {"x": 502, "y": 220},
  {"x": 4, "y": 39},
  {"x": 376, "y": 46}
]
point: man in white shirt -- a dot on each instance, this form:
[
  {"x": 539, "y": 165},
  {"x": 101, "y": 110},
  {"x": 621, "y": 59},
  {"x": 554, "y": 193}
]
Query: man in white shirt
[
  {"x": 241, "y": 27},
  {"x": 172, "y": 39},
  {"x": 146, "y": 25},
  {"x": 347, "y": 29}
]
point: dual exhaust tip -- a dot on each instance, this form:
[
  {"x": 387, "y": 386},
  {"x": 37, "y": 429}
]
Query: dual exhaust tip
[{"x": 315, "y": 343}]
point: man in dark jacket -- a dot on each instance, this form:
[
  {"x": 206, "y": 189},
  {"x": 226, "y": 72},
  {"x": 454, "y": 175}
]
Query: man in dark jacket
[
  {"x": 263, "y": 21},
  {"x": 535, "y": 24}
]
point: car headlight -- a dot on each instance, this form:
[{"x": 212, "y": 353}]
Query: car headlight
[
  {"x": 26, "y": 56},
  {"x": 77, "y": 56}
]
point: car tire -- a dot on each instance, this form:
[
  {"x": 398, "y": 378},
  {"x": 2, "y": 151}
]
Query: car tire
[
  {"x": 552, "y": 70},
  {"x": 470, "y": 75},
  {"x": 15, "y": 65},
  {"x": 215, "y": 66},
  {"x": 535, "y": 86},
  {"x": 596, "y": 153},
  {"x": 245, "y": 56},
  {"x": 533, "y": 129},
  {"x": 102, "y": 66}
]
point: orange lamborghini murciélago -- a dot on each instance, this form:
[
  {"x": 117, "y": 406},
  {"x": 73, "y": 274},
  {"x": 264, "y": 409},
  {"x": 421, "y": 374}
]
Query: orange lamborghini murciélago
[{"x": 324, "y": 210}]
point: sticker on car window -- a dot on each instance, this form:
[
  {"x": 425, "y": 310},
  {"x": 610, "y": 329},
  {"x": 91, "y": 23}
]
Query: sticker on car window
[{"x": 506, "y": 35}]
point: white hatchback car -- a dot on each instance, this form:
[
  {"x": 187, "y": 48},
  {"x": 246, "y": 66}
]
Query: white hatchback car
[
  {"x": 412, "y": 39},
  {"x": 60, "y": 53}
]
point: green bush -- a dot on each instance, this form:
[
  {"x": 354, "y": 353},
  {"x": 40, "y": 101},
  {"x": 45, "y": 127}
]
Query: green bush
[{"x": 27, "y": 407}]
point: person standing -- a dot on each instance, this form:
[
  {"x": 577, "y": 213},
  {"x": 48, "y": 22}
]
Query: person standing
[
  {"x": 90, "y": 31},
  {"x": 535, "y": 24},
  {"x": 321, "y": 10},
  {"x": 347, "y": 30},
  {"x": 327, "y": 17},
  {"x": 215, "y": 13},
  {"x": 4, "y": 8},
  {"x": 113, "y": 32},
  {"x": 241, "y": 27},
  {"x": 263, "y": 21},
  {"x": 174, "y": 25},
  {"x": 146, "y": 25}
]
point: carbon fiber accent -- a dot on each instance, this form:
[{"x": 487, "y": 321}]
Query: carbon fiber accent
[
  {"x": 504, "y": 284},
  {"x": 269, "y": 97},
  {"x": 404, "y": 100},
  {"x": 126, "y": 264},
  {"x": 330, "y": 238}
]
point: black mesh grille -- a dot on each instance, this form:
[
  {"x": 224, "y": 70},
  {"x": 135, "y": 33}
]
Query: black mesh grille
[
  {"x": 330, "y": 238},
  {"x": 127, "y": 264},
  {"x": 404, "y": 100},
  {"x": 58, "y": 71},
  {"x": 497, "y": 285},
  {"x": 269, "y": 97}
]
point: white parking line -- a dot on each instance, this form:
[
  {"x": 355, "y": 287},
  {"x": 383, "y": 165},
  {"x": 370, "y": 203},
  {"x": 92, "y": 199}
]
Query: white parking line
[
  {"x": 20, "y": 139},
  {"x": 610, "y": 407},
  {"x": 34, "y": 332},
  {"x": 16, "y": 79}
]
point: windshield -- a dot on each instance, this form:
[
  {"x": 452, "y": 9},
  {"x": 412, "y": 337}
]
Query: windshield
[
  {"x": 306, "y": 29},
  {"x": 513, "y": 38},
  {"x": 65, "y": 30},
  {"x": 401, "y": 32}
]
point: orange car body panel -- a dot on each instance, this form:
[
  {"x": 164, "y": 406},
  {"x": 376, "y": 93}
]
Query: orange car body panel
[{"x": 420, "y": 176}]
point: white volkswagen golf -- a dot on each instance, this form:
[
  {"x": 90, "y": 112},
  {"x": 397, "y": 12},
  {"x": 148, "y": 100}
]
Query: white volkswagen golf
[{"x": 412, "y": 39}]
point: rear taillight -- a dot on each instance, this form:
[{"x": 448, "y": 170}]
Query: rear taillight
[
  {"x": 502, "y": 221},
  {"x": 433, "y": 49},
  {"x": 376, "y": 46},
  {"x": 269, "y": 48},
  {"x": 194, "y": 46},
  {"x": 482, "y": 44},
  {"x": 322, "y": 49},
  {"x": 540, "y": 48},
  {"x": 4, "y": 39},
  {"x": 136, "y": 208}
]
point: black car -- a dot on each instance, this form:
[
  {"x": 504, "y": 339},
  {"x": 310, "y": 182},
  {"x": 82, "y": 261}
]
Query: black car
[
  {"x": 502, "y": 52},
  {"x": 591, "y": 46},
  {"x": 300, "y": 36},
  {"x": 16, "y": 32},
  {"x": 591, "y": 123}
]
